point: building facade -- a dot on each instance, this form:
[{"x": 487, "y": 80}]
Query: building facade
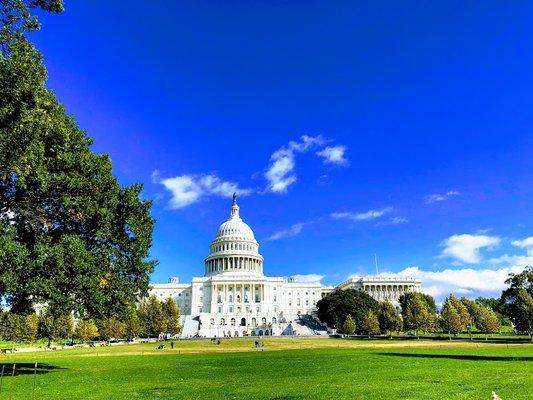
[{"x": 235, "y": 298}]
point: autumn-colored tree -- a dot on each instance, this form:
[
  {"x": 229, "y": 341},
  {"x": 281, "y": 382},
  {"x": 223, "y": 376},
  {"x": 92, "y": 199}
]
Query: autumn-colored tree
[{"x": 86, "y": 330}]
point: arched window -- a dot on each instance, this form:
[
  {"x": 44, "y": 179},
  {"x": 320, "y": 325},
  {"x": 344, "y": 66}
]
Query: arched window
[
  {"x": 260, "y": 333},
  {"x": 243, "y": 321},
  {"x": 222, "y": 321},
  {"x": 263, "y": 320},
  {"x": 212, "y": 322},
  {"x": 254, "y": 322},
  {"x": 233, "y": 322},
  {"x": 274, "y": 320},
  {"x": 236, "y": 334}
]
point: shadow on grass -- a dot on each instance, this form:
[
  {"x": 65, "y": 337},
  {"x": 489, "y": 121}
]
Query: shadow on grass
[
  {"x": 461, "y": 357},
  {"x": 27, "y": 369}
]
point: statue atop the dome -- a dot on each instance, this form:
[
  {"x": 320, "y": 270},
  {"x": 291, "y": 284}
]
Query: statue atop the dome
[{"x": 234, "y": 198}]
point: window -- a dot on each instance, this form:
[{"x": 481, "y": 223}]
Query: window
[
  {"x": 274, "y": 320},
  {"x": 232, "y": 322},
  {"x": 219, "y": 309},
  {"x": 222, "y": 321},
  {"x": 263, "y": 321},
  {"x": 212, "y": 322}
]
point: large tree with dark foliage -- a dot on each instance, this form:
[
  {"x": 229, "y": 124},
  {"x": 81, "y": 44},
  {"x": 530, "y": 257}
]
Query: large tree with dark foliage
[
  {"x": 335, "y": 307},
  {"x": 518, "y": 301},
  {"x": 71, "y": 236}
]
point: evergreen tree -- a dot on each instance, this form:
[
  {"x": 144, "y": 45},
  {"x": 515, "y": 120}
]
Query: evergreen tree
[
  {"x": 389, "y": 318},
  {"x": 348, "y": 326}
]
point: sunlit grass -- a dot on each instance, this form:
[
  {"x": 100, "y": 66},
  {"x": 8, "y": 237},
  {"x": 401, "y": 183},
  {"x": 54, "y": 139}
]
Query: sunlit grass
[{"x": 317, "y": 368}]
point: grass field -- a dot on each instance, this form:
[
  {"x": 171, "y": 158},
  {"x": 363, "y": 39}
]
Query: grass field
[{"x": 285, "y": 369}]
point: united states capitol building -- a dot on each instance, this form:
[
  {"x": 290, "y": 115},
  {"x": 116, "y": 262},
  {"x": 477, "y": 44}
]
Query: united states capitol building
[{"x": 235, "y": 298}]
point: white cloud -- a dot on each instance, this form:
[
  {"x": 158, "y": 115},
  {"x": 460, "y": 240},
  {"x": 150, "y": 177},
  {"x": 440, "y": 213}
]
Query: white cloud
[
  {"x": 308, "y": 278},
  {"x": 293, "y": 230},
  {"x": 466, "y": 281},
  {"x": 393, "y": 221},
  {"x": 189, "y": 189},
  {"x": 437, "y": 197},
  {"x": 334, "y": 155},
  {"x": 368, "y": 215},
  {"x": 280, "y": 174},
  {"x": 524, "y": 244},
  {"x": 466, "y": 248}
]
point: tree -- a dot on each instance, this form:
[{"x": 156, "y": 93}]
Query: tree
[
  {"x": 112, "y": 328},
  {"x": 389, "y": 318},
  {"x": 171, "y": 313},
  {"x": 416, "y": 313},
  {"x": 71, "y": 236},
  {"x": 370, "y": 324},
  {"x": 348, "y": 326},
  {"x": 86, "y": 330},
  {"x": 518, "y": 301},
  {"x": 151, "y": 316},
  {"x": 487, "y": 320},
  {"x": 132, "y": 324},
  {"x": 31, "y": 327},
  {"x": 13, "y": 327},
  {"x": 462, "y": 310},
  {"x": 450, "y": 319},
  {"x": 336, "y": 306},
  {"x": 54, "y": 327}
]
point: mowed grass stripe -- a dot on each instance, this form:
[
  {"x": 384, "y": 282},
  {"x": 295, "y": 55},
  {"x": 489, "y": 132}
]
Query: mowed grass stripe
[{"x": 321, "y": 369}]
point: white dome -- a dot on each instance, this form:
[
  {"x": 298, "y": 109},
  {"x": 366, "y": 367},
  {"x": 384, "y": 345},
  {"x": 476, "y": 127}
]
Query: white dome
[
  {"x": 234, "y": 249},
  {"x": 235, "y": 227}
]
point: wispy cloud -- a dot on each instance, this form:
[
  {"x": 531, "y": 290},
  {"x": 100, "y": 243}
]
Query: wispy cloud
[
  {"x": 524, "y": 243},
  {"x": 393, "y": 221},
  {"x": 466, "y": 248},
  {"x": 191, "y": 188},
  {"x": 437, "y": 197},
  {"x": 364, "y": 216},
  {"x": 293, "y": 230},
  {"x": 308, "y": 278},
  {"x": 280, "y": 173},
  {"x": 334, "y": 155}
]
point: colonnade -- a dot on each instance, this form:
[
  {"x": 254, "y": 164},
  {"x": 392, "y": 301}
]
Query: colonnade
[
  {"x": 388, "y": 291},
  {"x": 232, "y": 263},
  {"x": 236, "y": 293}
]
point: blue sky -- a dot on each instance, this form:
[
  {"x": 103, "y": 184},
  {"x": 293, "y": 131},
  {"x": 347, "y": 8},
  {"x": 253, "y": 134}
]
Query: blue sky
[{"x": 402, "y": 129}]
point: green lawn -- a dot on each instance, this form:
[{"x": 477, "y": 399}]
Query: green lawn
[{"x": 286, "y": 369}]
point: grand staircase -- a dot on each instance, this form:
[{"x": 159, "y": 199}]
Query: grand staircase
[{"x": 190, "y": 325}]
